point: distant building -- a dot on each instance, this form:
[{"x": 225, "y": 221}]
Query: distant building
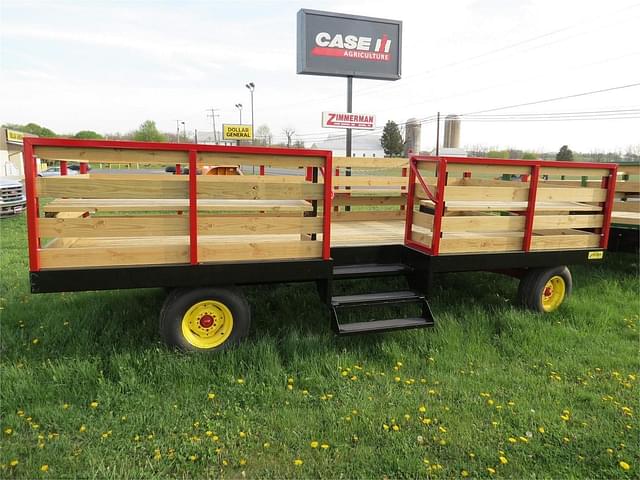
[
  {"x": 11, "y": 164},
  {"x": 362, "y": 145}
]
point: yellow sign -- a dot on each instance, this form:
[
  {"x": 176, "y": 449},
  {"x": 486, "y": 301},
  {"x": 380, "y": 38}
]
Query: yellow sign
[
  {"x": 14, "y": 137},
  {"x": 237, "y": 132},
  {"x": 595, "y": 255}
]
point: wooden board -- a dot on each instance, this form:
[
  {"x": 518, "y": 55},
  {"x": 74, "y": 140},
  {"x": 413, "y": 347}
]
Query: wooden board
[
  {"x": 494, "y": 206},
  {"x": 481, "y": 244},
  {"x": 175, "y": 226},
  {"x": 160, "y": 204},
  {"x": 574, "y": 172},
  {"x": 370, "y": 162},
  {"x": 345, "y": 199},
  {"x": 372, "y": 181},
  {"x": 561, "y": 242},
  {"x": 626, "y": 206},
  {"x": 260, "y": 191},
  {"x": 457, "y": 169},
  {"x": 506, "y": 194},
  {"x": 283, "y": 161},
  {"x": 424, "y": 220},
  {"x": 111, "y": 155},
  {"x": 629, "y": 169},
  {"x": 626, "y": 218},
  {"x": 373, "y": 215},
  {"x": 485, "y": 223},
  {"x": 423, "y": 238}
]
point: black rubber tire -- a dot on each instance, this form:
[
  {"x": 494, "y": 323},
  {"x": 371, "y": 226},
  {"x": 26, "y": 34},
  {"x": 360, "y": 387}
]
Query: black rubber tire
[
  {"x": 181, "y": 299},
  {"x": 532, "y": 285}
]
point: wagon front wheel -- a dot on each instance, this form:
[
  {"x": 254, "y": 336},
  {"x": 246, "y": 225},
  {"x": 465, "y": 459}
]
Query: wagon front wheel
[
  {"x": 204, "y": 319},
  {"x": 545, "y": 289}
]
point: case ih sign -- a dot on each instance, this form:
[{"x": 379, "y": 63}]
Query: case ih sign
[
  {"x": 357, "y": 121},
  {"x": 342, "y": 45}
]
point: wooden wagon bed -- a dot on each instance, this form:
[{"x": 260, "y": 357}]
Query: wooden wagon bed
[{"x": 467, "y": 206}]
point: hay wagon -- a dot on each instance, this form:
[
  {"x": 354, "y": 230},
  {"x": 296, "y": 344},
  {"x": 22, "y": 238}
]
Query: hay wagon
[{"x": 304, "y": 216}]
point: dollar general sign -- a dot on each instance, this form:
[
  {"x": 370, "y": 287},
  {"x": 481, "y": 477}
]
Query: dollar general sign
[{"x": 237, "y": 132}]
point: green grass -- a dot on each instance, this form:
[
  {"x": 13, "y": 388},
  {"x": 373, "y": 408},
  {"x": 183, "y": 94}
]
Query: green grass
[{"x": 488, "y": 373}]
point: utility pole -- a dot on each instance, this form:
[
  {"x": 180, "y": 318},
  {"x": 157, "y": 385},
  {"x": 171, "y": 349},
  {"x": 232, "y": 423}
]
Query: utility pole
[
  {"x": 178, "y": 130},
  {"x": 213, "y": 116}
]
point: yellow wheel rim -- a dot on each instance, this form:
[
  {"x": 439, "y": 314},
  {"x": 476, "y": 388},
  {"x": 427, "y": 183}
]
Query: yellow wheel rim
[
  {"x": 207, "y": 324},
  {"x": 553, "y": 293}
]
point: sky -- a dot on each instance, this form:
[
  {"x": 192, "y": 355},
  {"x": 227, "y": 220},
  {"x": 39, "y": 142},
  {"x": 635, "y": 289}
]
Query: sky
[{"x": 110, "y": 65}]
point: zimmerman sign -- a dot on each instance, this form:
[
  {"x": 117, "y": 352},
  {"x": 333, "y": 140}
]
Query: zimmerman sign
[
  {"x": 336, "y": 44},
  {"x": 356, "y": 121}
]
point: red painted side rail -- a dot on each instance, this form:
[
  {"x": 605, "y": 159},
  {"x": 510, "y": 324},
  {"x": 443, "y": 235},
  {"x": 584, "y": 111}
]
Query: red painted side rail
[
  {"x": 439, "y": 206},
  {"x": 193, "y": 207},
  {"x": 63, "y": 168},
  {"x": 326, "y": 207},
  {"x": 33, "y": 232},
  {"x": 608, "y": 206},
  {"x": 192, "y": 151},
  {"x": 531, "y": 208},
  {"x": 410, "y": 203}
]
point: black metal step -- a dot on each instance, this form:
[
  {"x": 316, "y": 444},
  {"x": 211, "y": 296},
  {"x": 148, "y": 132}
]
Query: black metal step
[
  {"x": 375, "y": 299},
  {"x": 383, "y": 325},
  {"x": 370, "y": 270}
]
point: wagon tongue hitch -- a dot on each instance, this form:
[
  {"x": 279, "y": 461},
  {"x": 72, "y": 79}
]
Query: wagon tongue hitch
[{"x": 374, "y": 299}]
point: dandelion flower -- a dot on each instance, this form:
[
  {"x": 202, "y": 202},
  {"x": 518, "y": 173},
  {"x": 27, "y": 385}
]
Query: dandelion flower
[
  {"x": 541, "y": 429},
  {"x": 211, "y": 396},
  {"x": 289, "y": 387},
  {"x": 83, "y": 428},
  {"x": 422, "y": 409},
  {"x": 242, "y": 434},
  {"x": 93, "y": 404},
  {"x": 65, "y": 406},
  {"x": 8, "y": 431},
  {"x": 395, "y": 428},
  {"x": 492, "y": 471},
  {"x": 240, "y": 381},
  {"x": 324, "y": 446},
  {"x": 193, "y": 458},
  {"x": 624, "y": 465},
  {"x": 242, "y": 461},
  {"x": 512, "y": 440},
  {"x": 442, "y": 429},
  {"x": 314, "y": 444},
  {"x": 14, "y": 463},
  {"x": 44, "y": 468},
  {"x": 503, "y": 460},
  {"x": 464, "y": 473},
  {"x": 298, "y": 462},
  {"x": 266, "y": 445}
]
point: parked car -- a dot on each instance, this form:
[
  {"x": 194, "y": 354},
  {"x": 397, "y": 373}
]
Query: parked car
[
  {"x": 55, "y": 171},
  {"x": 12, "y": 197}
]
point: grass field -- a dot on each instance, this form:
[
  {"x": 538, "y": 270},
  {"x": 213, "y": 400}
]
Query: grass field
[{"x": 87, "y": 390}]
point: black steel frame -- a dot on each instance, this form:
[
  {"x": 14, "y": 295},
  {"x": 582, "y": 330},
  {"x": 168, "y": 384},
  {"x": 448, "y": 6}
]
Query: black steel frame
[{"x": 289, "y": 271}]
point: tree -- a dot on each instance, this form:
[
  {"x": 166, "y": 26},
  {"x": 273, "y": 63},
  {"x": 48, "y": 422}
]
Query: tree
[
  {"x": 148, "y": 132},
  {"x": 391, "y": 141},
  {"x": 33, "y": 128},
  {"x": 263, "y": 135},
  {"x": 88, "y": 135},
  {"x": 564, "y": 154},
  {"x": 289, "y": 132},
  {"x": 529, "y": 156}
]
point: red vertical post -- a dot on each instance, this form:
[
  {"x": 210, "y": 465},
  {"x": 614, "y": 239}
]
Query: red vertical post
[
  {"x": 531, "y": 208},
  {"x": 402, "y": 189},
  {"x": 33, "y": 233},
  {"x": 262, "y": 170},
  {"x": 326, "y": 209},
  {"x": 63, "y": 168},
  {"x": 610, "y": 184},
  {"x": 466, "y": 175},
  {"x": 84, "y": 168},
  {"x": 193, "y": 208},
  {"x": 178, "y": 169},
  {"x": 309, "y": 175},
  {"x": 408, "y": 222},
  {"x": 337, "y": 174},
  {"x": 439, "y": 206}
]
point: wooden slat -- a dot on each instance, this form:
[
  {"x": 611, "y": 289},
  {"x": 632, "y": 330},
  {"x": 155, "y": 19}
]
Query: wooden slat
[
  {"x": 98, "y": 227},
  {"x": 574, "y": 172},
  {"x": 283, "y": 161},
  {"x": 111, "y": 155},
  {"x": 160, "y": 204},
  {"x": 374, "y": 181},
  {"x": 542, "y": 222},
  {"x": 260, "y": 191},
  {"x": 78, "y": 187},
  {"x": 259, "y": 251},
  {"x": 486, "y": 194},
  {"x": 238, "y": 179},
  {"x": 343, "y": 199},
  {"x": 627, "y": 186},
  {"x": 424, "y": 220},
  {"x": 480, "y": 244},
  {"x": 370, "y": 162},
  {"x": 485, "y": 223},
  {"x": 423, "y": 238},
  {"x": 494, "y": 206},
  {"x": 374, "y": 215},
  {"x": 626, "y": 218},
  {"x": 110, "y": 256},
  {"x": 629, "y": 169},
  {"x": 493, "y": 170},
  {"x": 627, "y": 206},
  {"x": 571, "y": 195},
  {"x": 560, "y": 242}
]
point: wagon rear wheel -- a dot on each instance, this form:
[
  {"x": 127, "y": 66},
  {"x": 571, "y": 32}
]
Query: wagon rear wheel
[
  {"x": 545, "y": 289},
  {"x": 204, "y": 319}
]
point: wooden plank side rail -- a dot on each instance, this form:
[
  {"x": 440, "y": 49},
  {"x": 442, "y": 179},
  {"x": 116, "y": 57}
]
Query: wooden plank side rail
[
  {"x": 101, "y": 220},
  {"x": 487, "y": 205}
]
